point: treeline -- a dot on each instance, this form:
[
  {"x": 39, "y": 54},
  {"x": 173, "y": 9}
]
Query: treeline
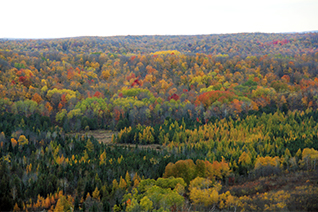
[{"x": 234, "y": 44}]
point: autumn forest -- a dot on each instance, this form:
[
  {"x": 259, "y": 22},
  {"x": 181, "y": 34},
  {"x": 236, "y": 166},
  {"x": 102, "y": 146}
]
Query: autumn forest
[{"x": 225, "y": 122}]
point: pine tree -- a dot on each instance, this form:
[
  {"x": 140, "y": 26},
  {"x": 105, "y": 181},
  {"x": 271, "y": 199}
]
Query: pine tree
[
  {"x": 76, "y": 204},
  {"x": 127, "y": 178}
]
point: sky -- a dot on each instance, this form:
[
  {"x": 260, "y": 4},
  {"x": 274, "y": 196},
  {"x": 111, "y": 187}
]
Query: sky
[{"x": 69, "y": 18}]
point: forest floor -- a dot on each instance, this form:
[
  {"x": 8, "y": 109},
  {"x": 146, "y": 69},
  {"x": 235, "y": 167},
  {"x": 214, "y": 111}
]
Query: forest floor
[
  {"x": 302, "y": 186},
  {"x": 105, "y": 136},
  {"x": 284, "y": 181}
]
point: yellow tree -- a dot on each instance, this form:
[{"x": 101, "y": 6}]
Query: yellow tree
[
  {"x": 63, "y": 204},
  {"x": 146, "y": 204},
  {"x": 202, "y": 192},
  {"x": 245, "y": 161},
  {"x": 122, "y": 183},
  {"x": 23, "y": 140},
  {"x": 114, "y": 185},
  {"x": 102, "y": 158},
  {"x": 96, "y": 194},
  {"x": 16, "y": 207},
  {"x": 89, "y": 145}
]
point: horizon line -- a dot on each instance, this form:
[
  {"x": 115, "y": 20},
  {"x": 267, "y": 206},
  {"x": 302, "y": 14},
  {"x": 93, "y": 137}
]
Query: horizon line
[{"x": 80, "y": 36}]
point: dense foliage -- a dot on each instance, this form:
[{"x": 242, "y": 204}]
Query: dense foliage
[
  {"x": 94, "y": 83},
  {"x": 222, "y": 109}
]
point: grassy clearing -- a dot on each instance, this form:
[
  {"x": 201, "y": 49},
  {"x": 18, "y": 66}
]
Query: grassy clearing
[{"x": 105, "y": 136}]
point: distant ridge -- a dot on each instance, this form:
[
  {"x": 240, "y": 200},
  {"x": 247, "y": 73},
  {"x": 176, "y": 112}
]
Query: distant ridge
[{"x": 302, "y": 32}]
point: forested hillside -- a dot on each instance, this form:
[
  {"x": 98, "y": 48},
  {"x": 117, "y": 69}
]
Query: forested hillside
[{"x": 233, "y": 114}]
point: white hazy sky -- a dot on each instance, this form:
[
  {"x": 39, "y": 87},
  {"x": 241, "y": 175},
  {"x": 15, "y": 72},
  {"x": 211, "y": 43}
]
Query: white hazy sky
[{"x": 69, "y": 18}]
